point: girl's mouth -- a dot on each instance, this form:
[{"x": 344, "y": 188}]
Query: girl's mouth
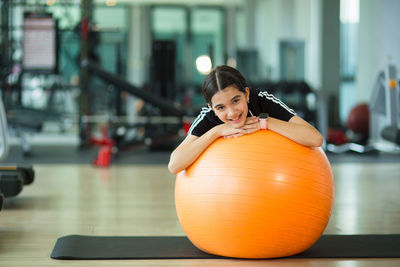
[{"x": 236, "y": 120}]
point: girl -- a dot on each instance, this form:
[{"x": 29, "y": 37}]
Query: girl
[{"x": 233, "y": 110}]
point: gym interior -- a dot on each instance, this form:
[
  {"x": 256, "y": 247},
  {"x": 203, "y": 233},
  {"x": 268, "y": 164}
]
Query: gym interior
[{"x": 96, "y": 94}]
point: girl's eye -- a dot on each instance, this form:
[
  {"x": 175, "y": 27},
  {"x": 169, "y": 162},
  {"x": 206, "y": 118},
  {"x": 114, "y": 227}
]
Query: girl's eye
[
  {"x": 235, "y": 101},
  {"x": 220, "y": 108}
]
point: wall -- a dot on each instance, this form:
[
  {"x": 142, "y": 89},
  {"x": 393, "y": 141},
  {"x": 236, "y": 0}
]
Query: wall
[
  {"x": 277, "y": 20},
  {"x": 379, "y": 37}
]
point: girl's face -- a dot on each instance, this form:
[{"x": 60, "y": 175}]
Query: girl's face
[{"x": 230, "y": 106}]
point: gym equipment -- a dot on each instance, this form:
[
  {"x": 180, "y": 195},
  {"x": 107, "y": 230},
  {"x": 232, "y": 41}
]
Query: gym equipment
[
  {"x": 355, "y": 137},
  {"x": 162, "y": 71},
  {"x": 256, "y": 196},
  {"x": 384, "y": 106},
  {"x": 78, "y": 247},
  {"x": 166, "y": 106},
  {"x": 12, "y": 178},
  {"x": 392, "y": 132},
  {"x": 163, "y": 129},
  {"x": 10, "y": 183},
  {"x": 3, "y": 132},
  {"x": 104, "y": 155},
  {"x": 383, "y": 111},
  {"x": 358, "y": 120}
]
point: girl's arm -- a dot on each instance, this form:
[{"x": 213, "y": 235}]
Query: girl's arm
[
  {"x": 191, "y": 148},
  {"x": 297, "y": 130}
]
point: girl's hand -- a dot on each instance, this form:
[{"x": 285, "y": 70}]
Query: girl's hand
[
  {"x": 251, "y": 125},
  {"x": 226, "y": 130}
]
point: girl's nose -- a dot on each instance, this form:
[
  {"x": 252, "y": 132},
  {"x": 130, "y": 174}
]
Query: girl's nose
[{"x": 230, "y": 112}]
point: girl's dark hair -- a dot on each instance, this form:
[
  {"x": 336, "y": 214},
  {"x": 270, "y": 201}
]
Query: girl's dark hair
[{"x": 220, "y": 78}]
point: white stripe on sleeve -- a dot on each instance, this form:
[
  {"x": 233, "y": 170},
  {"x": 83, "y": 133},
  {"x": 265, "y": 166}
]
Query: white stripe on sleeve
[
  {"x": 276, "y": 100},
  {"x": 199, "y": 118}
]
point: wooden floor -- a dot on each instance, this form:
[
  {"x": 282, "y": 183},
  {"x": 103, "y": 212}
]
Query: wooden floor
[{"x": 139, "y": 200}]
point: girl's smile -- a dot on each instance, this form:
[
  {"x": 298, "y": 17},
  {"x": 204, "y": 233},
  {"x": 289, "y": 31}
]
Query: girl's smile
[{"x": 237, "y": 119}]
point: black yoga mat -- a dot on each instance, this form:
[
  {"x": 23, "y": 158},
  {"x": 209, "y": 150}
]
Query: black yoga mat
[{"x": 78, "y": 247}]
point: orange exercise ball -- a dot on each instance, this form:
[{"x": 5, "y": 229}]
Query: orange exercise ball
[{"x": 256, "y": 196}]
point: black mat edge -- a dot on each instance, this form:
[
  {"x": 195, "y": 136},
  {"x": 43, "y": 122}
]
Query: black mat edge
[{"x": 179, "y": 247}]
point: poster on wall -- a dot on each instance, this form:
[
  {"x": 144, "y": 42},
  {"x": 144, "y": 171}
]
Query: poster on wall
[{"x": 39, "y": 43}]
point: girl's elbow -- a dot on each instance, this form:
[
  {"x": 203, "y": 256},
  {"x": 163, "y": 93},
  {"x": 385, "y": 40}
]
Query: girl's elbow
[
  {"x": 173, "y": 168},
  {"x": 318, "y": 141}
]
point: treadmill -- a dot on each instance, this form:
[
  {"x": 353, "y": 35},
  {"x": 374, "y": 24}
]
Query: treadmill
[{"x": 12, "y": 177}]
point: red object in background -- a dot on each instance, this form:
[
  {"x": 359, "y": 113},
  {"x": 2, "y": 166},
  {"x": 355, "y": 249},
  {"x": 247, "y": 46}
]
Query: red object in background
[
  {"x": 358, "y": 120},
  {"x": 186, "y": 126},
  {"x": 85, "y": 28},
  {"x": 102, "y": 141},
  {"x": 337, "y": 137},
  {"x": 104, "y": 156}
]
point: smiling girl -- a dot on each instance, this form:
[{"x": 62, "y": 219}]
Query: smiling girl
[{"x": 233, "y": 110}]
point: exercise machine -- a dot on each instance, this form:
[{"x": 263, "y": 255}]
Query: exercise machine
[
  {"x": 3, "y": 140},
  {"x": 12, "y": 178},
  {"x": 161, "y": 127},
  {"x": 384, "y": 107},
  {"x": 384, "y": 131}
]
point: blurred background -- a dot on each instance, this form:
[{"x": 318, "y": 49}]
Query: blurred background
[{"x": 123, "y": 75}]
